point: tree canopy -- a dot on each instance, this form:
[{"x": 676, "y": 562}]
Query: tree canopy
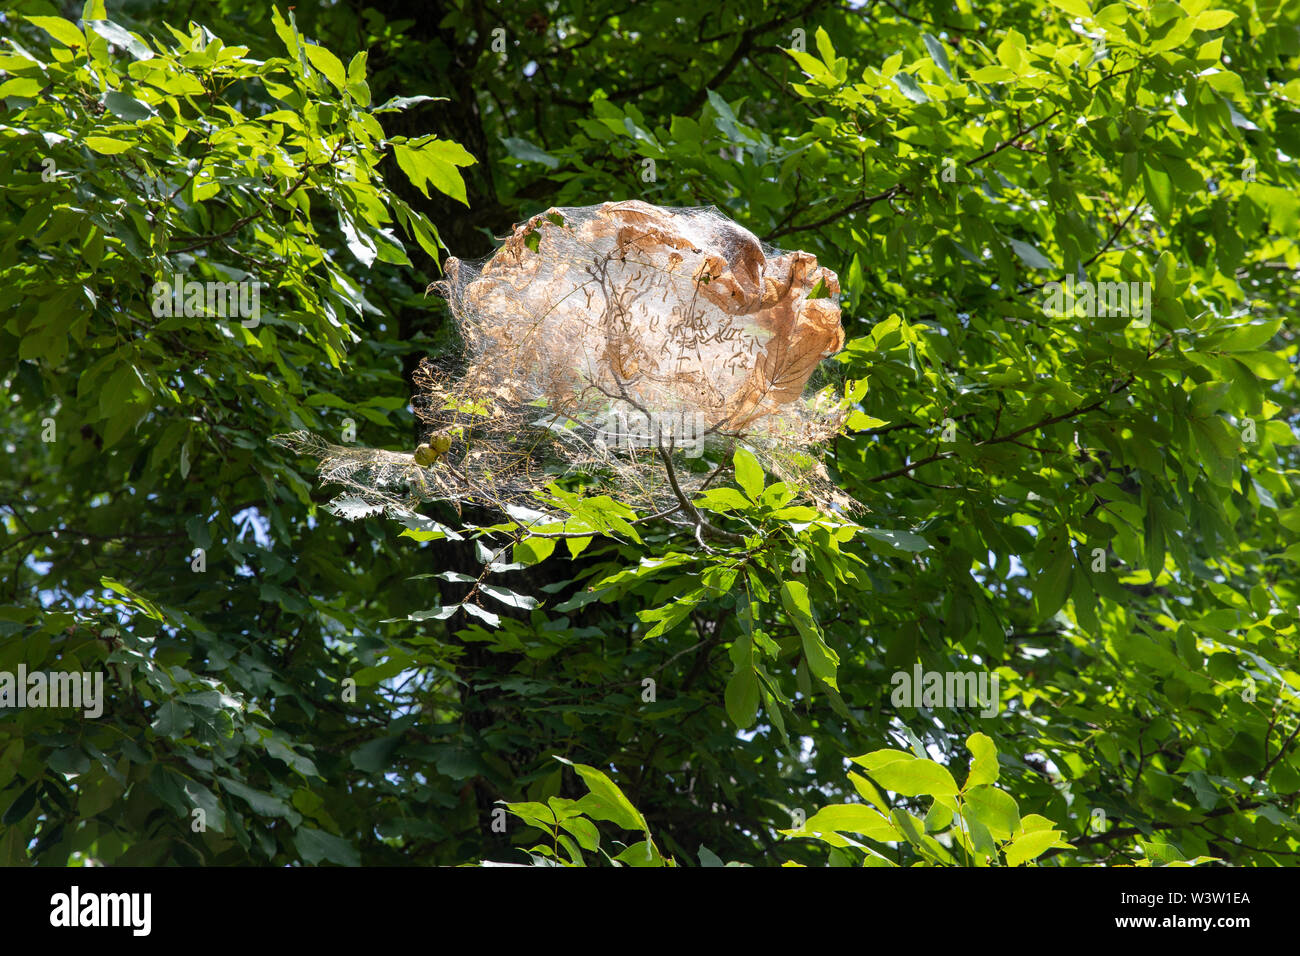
[{"x": 1065, "y": 238}]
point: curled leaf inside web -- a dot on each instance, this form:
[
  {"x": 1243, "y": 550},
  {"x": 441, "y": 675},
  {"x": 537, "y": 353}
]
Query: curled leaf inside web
[{"x": 630, "y": 344}]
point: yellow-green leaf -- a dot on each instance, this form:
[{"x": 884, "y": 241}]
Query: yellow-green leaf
[{"x": 62, "y": 30}]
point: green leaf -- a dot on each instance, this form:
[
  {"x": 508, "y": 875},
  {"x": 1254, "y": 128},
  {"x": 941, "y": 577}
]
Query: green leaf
[
  {"x": 741, "y": 697},
  {"x": 526, "y": 151},
  {"x": 723, "y": 499},
  {"x": 399, "y": 103},
  {"x": 584, "y": 831},
  {"x": 397, "y": 662},
  {"x": 484, "y": 615},
  {"x": 1075, "y": 8},
  {"x": 263, "y": 804},
  {"x": 106, "y": 145},
  {"x": 127, "y": 107},
  {"x": 908, "y": 86},
  {"x": 1052, "y": 583},
  {"x": 853, "y": 818},
  {"x": 904, "y": 541},
  {"x": 69, "y": 761},
  {"x": 172, "y": 720},
  {"x": 62, "y": 30},
  {"x": 137, "y": 600},
  {"x": 708, "y": 857},
  {"x": 431, "y": 614},
  {"x": 822, "y": 661},
  {"x": 726, "y": 121},
  {"x": 330, "y": 66},
  {"x": 860, "y": 421},
  {"x": 907, "y": 775},
  {"x": 824, "y": 46},
  {"x": 992, "y": 74},
  {"x": 984, "y": 760},
  {"x": 316, "y": 845},
  {"x": 1030, "y": 846},
  {"x": 1031, "y": 256},
  {"x": 21, "y": 86},
  {"x": 995, "y": 809},
  {"x": 21, "y": 806},
  {"x": 1159, "y": 190},
  {"x": 1214, "y": 19},
  {"x": 1248, "y": 338},
  {"x": 937, "y": 53},
  {"x": 508, "y": 597},
  {"x": 535, "y": 550},
  {"x": 435, "y": 162},
  {"x": 375, "y": 755},
  {"x": 456, "y": 576},
  {"x": 749, "y": 473},
  {"x": 118, "y": 36},
  {"x": 606, "y": 801},
  {"x": 201, "y": 798},
  {"x": 357, "y": 68},
  {"x": 642, "y": 853}
]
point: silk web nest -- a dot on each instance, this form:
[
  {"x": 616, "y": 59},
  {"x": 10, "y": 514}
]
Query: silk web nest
[{"x": 624, "y": 346}]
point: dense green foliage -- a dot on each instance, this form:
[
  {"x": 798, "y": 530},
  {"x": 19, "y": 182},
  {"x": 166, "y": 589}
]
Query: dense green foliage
[{"x": 1098, "y": 509}]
